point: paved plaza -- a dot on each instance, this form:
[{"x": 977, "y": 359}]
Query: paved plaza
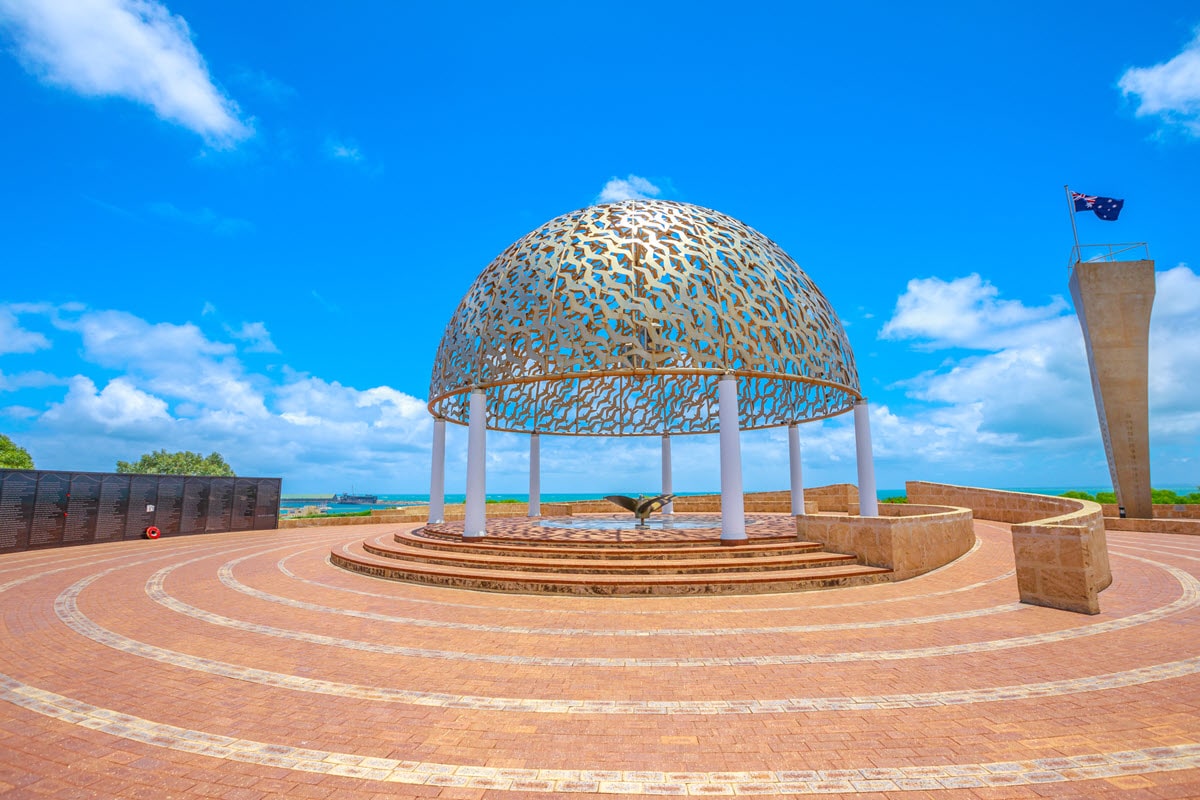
[{"x": 244, "y": 666}]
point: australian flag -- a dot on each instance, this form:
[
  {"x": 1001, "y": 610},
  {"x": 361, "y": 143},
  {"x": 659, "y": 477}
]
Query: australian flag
[{"x": 1105, "y": 207}]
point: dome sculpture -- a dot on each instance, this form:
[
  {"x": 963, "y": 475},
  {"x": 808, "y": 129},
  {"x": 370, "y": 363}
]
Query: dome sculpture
[{"x": 619, "y": 319}]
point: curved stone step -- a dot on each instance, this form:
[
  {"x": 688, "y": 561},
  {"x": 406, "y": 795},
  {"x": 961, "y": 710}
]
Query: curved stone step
[
  {"x": 356, "y": 558},
  {"x": 434, "y": 533},
  {"x": 631, "y": 564},
  {"x": 536, "y": 548}
]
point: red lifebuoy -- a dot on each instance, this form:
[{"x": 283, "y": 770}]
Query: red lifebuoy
[{"x": 153, "y": 532}]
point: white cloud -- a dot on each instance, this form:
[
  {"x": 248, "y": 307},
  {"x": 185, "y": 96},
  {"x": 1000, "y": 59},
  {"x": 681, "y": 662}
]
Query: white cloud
[
  {"x": 175, "y": 361},
  {"x": 344, "y": 151},
  {"x": 257, "y": 337},
  {"x": 14, "y": 338},
  {"x": 118, "y": 339},
  {"x": 631, "y": 187},
  {"x": 180, "y": 389},
  {"x": 26, "y": 380},
  {"x": 1009, "y": 404},
  {"x": 1175, "y": 352},
  {"x": 1170, "y": 90},
  {"x": 965, "y": 312},
  {"x": 135, "y": 49},
  {"x": 119, "y": 407},
  {"x": 266, "y": 85},
  {"x": 19, "y": 412},
  {"x": 1026, "y": 399}
]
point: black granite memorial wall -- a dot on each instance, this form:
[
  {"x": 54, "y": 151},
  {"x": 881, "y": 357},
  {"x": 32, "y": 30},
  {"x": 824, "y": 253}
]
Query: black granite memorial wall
[{"x": 41, "y": 509}]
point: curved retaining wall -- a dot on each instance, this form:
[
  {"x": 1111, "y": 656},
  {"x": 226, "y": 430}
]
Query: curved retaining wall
[
  {"x": 1059, "y": 543},
  {"x": 910, "y": 539}
]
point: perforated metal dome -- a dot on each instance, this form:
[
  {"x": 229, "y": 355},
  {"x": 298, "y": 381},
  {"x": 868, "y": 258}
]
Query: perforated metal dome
[{"x": 620, "y": 318}]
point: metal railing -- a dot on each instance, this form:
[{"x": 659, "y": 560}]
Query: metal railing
[{"x": 1088, "y": 253}]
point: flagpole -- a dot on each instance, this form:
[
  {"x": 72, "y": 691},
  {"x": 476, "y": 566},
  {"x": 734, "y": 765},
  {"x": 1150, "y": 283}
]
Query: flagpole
[{"x": 1074, "y": 230}]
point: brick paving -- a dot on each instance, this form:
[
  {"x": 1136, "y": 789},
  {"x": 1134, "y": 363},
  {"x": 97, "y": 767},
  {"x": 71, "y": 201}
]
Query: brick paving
[{"x": 244, "y": 666}]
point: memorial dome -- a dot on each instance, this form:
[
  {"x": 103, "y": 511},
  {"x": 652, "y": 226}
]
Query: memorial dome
[{"x": 619, "y": 319}]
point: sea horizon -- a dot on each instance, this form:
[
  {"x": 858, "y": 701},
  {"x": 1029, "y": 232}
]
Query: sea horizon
[{"x": 419, "y": 498}]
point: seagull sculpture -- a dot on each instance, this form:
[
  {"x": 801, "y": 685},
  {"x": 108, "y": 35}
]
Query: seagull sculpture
[{"x": 641, "y": 506}]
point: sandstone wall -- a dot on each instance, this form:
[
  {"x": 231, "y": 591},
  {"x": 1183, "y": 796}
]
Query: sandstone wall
[
  {"x": 1161, "y": 511},
  {"x": 910, "y": 539},
  {"x": 1189, "y": 527},
  {"x": 1058, "y": 542}
]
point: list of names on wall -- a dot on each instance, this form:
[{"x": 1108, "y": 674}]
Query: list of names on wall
[
  {"x": 17, "y": 492},
  {"x": 113, "y": 513},
  {"x": 170, "y": 504},
  {"x": 40, "y": 508},
  {"x": 143, "y": 505},
  {"x": 195, "y": 505},
  {"x": 266, "y": 510},
  {"x": 220, "y": 504},
  {"x": 50, "y": 509},
  {"x": 83, "y": 505},
  {"x": 245, "y": 497}
]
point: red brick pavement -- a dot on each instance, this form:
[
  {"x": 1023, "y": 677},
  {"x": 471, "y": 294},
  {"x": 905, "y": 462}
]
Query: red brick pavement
[{"x": 246, "y": 666}]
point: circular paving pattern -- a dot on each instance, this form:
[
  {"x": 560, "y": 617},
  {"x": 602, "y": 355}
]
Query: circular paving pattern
[{"x": 245, "y": 665}]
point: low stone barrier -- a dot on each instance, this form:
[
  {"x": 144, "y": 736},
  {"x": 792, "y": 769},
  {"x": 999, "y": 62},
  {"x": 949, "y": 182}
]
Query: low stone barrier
[
  {"x": 834, "y": 497},
  {"x": 321, "y": 522},
  {"x": 1188, "y": 527},
  {"x": 1161, "y": 510},
  {"x": 1058, "y": 542},
  {"x": 909, "y": 539}
]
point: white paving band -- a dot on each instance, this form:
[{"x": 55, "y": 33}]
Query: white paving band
[
  {"x": 226, "y": 577},
  {"x": 1188, "y": 599},
  {"x": 1088, "y": 766},
  {"x": 772, "y": 782},
  {"x": 68, "y": 612}
]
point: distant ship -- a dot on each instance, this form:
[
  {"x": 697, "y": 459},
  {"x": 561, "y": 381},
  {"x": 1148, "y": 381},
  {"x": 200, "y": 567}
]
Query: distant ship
[{"x": 358, "y": 499}]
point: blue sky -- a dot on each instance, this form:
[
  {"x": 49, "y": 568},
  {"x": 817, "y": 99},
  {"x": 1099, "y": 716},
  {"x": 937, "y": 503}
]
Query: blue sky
[{"x": 244, "y": 227}]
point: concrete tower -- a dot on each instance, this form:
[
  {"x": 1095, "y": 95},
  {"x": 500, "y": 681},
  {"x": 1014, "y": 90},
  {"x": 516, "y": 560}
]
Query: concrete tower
[{"x": 1113, "y": 300}]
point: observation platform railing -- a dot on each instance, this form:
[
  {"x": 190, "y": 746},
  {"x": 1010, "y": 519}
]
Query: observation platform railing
[{"x": 1122, "y": 251}]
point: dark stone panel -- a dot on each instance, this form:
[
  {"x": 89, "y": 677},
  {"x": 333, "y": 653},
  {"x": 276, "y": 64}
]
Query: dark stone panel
[
  {"x": 50, "y": 509},
  {"x": 245, "y": 498},
  {"x": 266, "y": 509},
  {"x": 83, "y": 506},
  {"x": 114, "y": 508},
  {"x": 195, "y": 505},
  {"x": 18, "y": 489},
  {"x": 40, "y": 508},
  {"x": 168, "y": 516},
  {"x": 143, "y": 505},
  {"x": 220, "y": 505}
]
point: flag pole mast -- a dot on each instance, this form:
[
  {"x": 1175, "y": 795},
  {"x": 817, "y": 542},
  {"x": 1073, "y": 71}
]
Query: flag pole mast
[{"x": 1074, "y": 229}]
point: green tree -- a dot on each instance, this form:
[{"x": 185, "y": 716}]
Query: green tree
[
  {"x": 13, "y": 456},
  {"x": 181, "y": 463}
]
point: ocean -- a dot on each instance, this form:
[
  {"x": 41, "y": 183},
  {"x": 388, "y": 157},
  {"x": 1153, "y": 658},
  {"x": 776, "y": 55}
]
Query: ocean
[{"x": 390, "y": 500}]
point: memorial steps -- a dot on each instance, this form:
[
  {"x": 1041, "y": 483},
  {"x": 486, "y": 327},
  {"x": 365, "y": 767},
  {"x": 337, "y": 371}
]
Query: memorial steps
[{"x": 519, "y": 557}]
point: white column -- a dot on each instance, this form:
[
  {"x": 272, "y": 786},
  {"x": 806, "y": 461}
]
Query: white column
[
  {"x": 868, "y": 503},
  {"x": 475, "y": 523},
  {"x": 535, "y": 475},
  {"x": 669, "y": 508},
  {"x": 437, "y": 478},
  {"x": 733, "y": 508},
  {"x": 794, "y": 463}
]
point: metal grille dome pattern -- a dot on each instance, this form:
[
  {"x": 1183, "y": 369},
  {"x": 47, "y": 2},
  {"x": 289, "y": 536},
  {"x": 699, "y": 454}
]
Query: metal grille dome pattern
[{"x": 620, "y": 318}]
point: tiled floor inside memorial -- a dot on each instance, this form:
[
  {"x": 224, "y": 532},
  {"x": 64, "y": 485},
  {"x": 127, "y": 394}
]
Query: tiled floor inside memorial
[{"x": 244, "y": 666}]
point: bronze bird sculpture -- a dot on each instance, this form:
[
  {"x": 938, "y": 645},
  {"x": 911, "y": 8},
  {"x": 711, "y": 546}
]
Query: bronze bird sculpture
[{"x": 641, "y": 506}]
